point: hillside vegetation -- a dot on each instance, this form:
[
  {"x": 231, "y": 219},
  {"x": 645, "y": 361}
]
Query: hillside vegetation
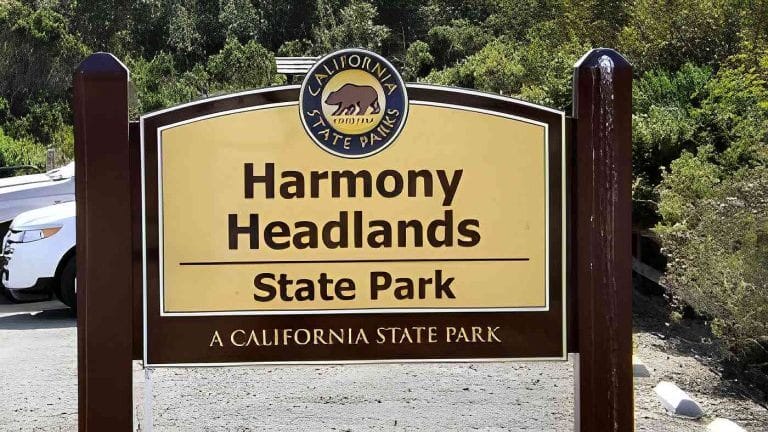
[{"x": 700, "y": 96}]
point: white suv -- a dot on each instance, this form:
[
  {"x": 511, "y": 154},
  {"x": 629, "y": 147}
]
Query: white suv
[
  {"x": 21, "y": 193},
  {"x": 38, "y": 254}
]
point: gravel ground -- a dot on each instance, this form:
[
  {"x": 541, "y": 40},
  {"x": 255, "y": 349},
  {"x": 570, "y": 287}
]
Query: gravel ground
[
  {"x": 717, "y": 398},
  {"x": 38, "y": 390},
  {"x": 491, "y": 397},
  {"x": 686, "y": 354}
]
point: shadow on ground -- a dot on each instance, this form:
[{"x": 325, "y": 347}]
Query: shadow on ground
[
  {"x": 48, "y": 319},
  {"x": 689, "y": 337}
]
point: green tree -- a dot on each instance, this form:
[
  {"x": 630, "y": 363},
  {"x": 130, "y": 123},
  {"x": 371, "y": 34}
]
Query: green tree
[
  {"x": 15, "y": 152},
  {"x": 418, "y": 61},
  {"x": 286, "y": 20},
  {"x": 459, "y": 39},
  {"x": 44, "y": 122},
  {"x": 356, "y": 27},
  {"x": 402, "y": 17},
  {"x": 713, "y": 205},
  {"x": 183, "y": 36},
  {"x": 296, "y": 48},
  {"x": 240, "y": 19},
  {"x": 665, "y": 34},
  {"x": 442, "y": 12},
  {"x": 539, "y": 71},
  {"x": 595, "y": 21},
  {"x": 691, "y": 179},
  {"x": 37, "y": 55},
  {"x": 99, "y": 23},
  {"x": 148, "y": 28},
  {"x": 665, "y": 118},
  {"x": 514, "y": 18},
  {"x": 158, "y": 84},
  {"x": 239, "y": 66},
  {"x": 735, "y": 113},
  {"x": 718, "y": 247}
]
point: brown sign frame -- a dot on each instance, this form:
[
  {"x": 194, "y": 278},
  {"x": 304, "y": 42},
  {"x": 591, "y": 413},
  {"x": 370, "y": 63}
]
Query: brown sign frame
[
  {"x": 598, "y": 265},
  {"x": 184, "y": 339}
]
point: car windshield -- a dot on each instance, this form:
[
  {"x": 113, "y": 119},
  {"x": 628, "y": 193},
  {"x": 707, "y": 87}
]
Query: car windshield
[{"x": 62, "y": 173}]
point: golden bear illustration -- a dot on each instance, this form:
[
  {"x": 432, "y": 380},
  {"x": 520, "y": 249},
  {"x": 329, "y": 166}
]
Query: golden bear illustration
[{"x": 354, "y": 99}]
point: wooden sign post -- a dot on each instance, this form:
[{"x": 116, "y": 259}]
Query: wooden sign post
[
  {"x": 354, "y": 219},
  {"x": 104, "y": 258},
  {"x": 601, "y": 200}
]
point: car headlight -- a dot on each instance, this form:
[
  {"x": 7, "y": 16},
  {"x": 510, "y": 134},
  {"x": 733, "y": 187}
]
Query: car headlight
[{"x": 22, "y": 235}]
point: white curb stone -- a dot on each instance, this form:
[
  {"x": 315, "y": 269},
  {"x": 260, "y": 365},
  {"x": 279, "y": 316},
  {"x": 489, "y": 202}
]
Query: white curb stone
[
  {"x": 677, "y": 401},
  {"x": 639, "y": 370},
  {"x": 724, "y": 425}
]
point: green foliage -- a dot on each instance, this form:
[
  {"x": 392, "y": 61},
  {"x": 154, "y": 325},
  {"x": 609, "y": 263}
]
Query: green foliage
[
  {"x": 691, "y": 179},
  {"x": 241, "y": 20},
  {"x": 239, "y": 66},
  {"x": 15, "y": 152},
  {"x": 296, "y": 48},
  {"x": 736, "y": 112},
  {"x": 718, "y": 248},
  {"x": 158, "y": 84},
  {"x": 493, "y": 69},
  {"x": 599, "y": 21},
  {"x": 183, "y": 35},
  {"x": 356, "y": 27},
  {"x": 548, "y": 59},
  {"x": 98, "y": 23},
  {"x": 461, "y": 38},
  {"x": 288, "y": 20},
  {"x": 37, "y": 54},
  {"x": 441, "y": 12},
  {"x": 514, "y": 18},
  {"x": 418, "y": 61},
  {"x": 42, "y": 122},
  {"x": 683, "y": 88},
  {"x": 665, "y": 34},
  {"x": 536, "y": 71},
  {"x": 665, "y": 120},
  {"x": 713, "y": 206}
]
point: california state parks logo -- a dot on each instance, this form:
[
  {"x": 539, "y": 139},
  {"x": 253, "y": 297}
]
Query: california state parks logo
[{"x": 353, "y": 103}]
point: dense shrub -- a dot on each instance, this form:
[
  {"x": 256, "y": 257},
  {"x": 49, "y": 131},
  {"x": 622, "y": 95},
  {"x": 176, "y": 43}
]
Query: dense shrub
[
  {"x": 668, "y": 33},
  {"x": 418, "y": 61},
  {"x": 714, "y": 205},
  {"x": 455, "y": 41},
  {"x": 716, "y": 236},
  {"x": 37, "y": 54},
  {"x": 735, "y": 113},
  {"x": 665, "y": 119},
  {"x": 15, "y": 152},
  {"x": 538, "y": 71}
]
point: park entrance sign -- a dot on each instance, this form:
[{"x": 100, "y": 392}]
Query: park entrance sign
[{"x": 354, "y": 218}]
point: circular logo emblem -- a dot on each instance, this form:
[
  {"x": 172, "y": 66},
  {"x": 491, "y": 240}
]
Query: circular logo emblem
[{"x": 353, "y": 103}]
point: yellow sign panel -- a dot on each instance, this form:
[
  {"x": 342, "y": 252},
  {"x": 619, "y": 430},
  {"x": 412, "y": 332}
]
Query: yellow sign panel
[{"x": 256, "y": 219}]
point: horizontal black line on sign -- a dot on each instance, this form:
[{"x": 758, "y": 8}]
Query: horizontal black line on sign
[
  {"x": 213, "y": 263},
  {"x": 384, "y": 310}
]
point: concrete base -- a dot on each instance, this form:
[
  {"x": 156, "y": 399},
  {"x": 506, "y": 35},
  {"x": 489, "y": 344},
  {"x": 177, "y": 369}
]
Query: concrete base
[
  {"x": 724, "y": 425},
  {"x": 677, "y": 401},
  {"x": 639, "y": 370}
]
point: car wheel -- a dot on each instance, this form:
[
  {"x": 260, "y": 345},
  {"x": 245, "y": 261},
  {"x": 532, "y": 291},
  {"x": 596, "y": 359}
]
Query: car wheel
[{"x": 68, "y": 288}]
